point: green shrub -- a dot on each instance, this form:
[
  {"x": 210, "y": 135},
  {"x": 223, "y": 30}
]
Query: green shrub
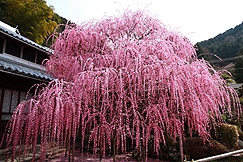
[
  {"x": 196, "y": 148},
  {"x": 226, "y": 76},
  {"x": 240, "y": 91},
  {"x": 228, "y": 135},
  {"x": 241, "y": 100}
]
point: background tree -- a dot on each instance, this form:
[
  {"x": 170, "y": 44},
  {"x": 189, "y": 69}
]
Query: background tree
[
  {"x": 198, "y": 48},
  {"x": 200, "y": 52},
  {"x": 126, "y": 78},
  {"x": 239, "y": 67},
  {"x": 33, "y": 18},
  {"x": 62, "y": 22},
  {"x": 225, "y": 45}
]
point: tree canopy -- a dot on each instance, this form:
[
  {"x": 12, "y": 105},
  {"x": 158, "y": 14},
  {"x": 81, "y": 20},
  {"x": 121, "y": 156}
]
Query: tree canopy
[
  {"x": 118, "y": 79},
  {"x": 34, "y": 18},
  {"x": 225, "y": 45},
  {"x": 239, "y": 66}
]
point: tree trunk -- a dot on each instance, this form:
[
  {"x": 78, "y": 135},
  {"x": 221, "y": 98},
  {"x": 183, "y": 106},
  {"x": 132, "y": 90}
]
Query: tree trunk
[{"x": 114, "y": 146}]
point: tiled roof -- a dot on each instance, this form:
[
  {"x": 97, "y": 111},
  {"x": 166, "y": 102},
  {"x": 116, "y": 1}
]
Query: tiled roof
[
  {"x": 23, "y": 39},
  {"x": 18, "y": 66},
  {"x": 23, "y": 70}
]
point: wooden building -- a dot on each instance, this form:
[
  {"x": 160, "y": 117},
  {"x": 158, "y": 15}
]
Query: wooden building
[{"x": 20, "y": 69}]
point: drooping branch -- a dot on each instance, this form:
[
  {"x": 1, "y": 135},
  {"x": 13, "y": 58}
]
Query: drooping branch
[{"x": 127, "y": 77}]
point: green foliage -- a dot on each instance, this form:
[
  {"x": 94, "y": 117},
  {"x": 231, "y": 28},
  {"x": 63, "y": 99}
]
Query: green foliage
[
  {"x": 241, "y": 100},
  {"x": 225, "y": 45},
  {"x": 200, "y": 52},
  {"x": 198, "y": 48},
  {"x": 232, "y": 81},
  {"x": 196, "y": 148},
  {"x": 35, "y": 20},
  {"x": 239, "y": 66},
  {"x": 228, "y": 78},
  {"x": 62, "y": 22},
  {"x": 227, "y": 134},
  {"x": 240, "y": 91},
  {"x": 240, "y": 134}
]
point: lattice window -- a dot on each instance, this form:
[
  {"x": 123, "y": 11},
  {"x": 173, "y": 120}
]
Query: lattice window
[{"x": 10, "y": 100}]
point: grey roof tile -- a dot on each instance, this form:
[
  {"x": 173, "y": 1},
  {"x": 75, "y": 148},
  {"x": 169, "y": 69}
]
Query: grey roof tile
[
  {"x": 24, "y": 39},
  {"x": 24, "y": 70}
]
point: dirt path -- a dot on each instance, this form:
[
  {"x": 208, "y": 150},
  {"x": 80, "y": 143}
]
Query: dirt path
[{"x": 87, "y": 157}]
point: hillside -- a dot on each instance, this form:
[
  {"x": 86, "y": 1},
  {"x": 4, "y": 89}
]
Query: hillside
[{"x": 225, "y": 45}]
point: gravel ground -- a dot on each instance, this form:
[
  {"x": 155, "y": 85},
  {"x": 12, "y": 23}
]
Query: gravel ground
[
  {"x": 87, "y": 157},
  {"x": 59, "y": 156}
]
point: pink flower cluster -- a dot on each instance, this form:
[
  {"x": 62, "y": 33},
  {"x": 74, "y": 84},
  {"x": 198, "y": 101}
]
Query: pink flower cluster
[{"x": 125, "y": 77}]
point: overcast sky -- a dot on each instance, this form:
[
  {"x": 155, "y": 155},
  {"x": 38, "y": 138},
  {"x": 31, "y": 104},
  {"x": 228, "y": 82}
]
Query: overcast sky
[{"x": 197, "y": 19}]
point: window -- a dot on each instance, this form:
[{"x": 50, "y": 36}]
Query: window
[
  {"x": 40, "y": 57},
  {"x": 13, "y": 48},
  {"x": 29, "y": 54},
  {"x": 10, "y": 100}
]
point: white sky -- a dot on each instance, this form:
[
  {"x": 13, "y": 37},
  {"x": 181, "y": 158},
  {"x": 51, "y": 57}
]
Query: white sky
[{"x": 196, "y": 19}]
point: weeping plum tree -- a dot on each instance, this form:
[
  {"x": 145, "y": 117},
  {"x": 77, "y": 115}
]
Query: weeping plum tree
[{"x": 125, "y": 77}]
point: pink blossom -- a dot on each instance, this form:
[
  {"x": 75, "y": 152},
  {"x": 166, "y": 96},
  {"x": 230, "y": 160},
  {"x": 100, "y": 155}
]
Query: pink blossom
[{"x": 126, "y": 77}]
